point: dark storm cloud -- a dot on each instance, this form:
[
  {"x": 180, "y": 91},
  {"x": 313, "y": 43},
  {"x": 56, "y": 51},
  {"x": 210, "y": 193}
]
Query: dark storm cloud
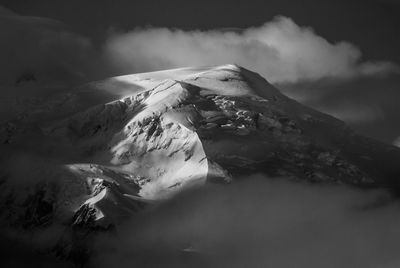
[
  {"x": 42, "y": 47},
  {"x": 280, "y": 50},
  {"x": 260, "y": 222}
]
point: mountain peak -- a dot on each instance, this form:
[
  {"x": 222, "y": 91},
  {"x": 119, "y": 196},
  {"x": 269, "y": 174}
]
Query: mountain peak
[
  {"x": 152, "y": 135},
  {"x": 229, "y": 79}
]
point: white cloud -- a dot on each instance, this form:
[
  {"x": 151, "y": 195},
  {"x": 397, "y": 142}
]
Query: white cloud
[{"x": 280, "y": 50}]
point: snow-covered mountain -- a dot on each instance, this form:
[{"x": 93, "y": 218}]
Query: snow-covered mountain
[{"x": 110, "y": 147}]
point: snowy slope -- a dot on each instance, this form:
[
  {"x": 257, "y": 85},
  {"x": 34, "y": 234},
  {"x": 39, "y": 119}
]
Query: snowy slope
[{"x": 152, "y": 135}]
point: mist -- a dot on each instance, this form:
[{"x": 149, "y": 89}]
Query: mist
[
  {"x": 255, "y": 221},
  {"x": 396, "y": 142},
  {"x": 260, "y": 222}
]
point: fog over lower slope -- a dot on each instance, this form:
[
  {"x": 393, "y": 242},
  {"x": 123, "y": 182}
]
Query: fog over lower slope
[
  {"x": 84, "y": 161},
  {"x": 260, "y": 222}
]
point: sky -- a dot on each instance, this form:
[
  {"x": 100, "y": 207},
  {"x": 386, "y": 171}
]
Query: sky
[{"x": 340, "y": 57}]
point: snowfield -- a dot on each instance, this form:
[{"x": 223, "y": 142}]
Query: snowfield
[{"x": 125, "y": 142}]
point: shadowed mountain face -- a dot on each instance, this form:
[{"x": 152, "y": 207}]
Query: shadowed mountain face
[{"x": 93, "y": 160}]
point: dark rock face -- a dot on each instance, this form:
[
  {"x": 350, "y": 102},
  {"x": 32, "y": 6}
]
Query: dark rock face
[
  {"x": 39, "y": 210},
  {"x": 33, "y": 209},
  {"x": 85, "y": 216}
]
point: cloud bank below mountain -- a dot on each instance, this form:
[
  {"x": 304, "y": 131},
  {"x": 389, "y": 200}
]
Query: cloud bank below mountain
[{"x": 260, "y": 222}]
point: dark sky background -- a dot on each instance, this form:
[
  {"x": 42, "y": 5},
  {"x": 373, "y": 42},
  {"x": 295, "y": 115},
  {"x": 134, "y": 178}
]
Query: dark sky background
[{"x": 368, "y": 104}]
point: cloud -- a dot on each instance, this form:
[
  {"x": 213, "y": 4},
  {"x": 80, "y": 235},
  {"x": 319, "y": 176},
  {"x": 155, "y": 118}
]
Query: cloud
[
  {"x": 6, "y": 12},
  {"x": 280, "y": 50},
  {"x": 260, "y": 222},
  {"x": 352, "y": 113},
  {"x": 374, "y": 113},
  {"x": 43, "y": 47},
  {"x": 396, "y": 142},
  {"x": 254, "y": 222}
]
